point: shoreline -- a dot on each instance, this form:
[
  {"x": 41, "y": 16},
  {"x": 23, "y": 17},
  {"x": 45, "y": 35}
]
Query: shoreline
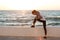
[{"x": 29, "y": 26}]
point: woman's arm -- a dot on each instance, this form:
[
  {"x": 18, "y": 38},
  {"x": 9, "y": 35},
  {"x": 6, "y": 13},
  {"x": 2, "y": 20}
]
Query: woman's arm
[{"x": 34, "y": 21}]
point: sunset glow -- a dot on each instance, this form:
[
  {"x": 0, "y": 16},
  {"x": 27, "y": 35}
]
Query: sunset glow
[{"x": 29, "y": 4}]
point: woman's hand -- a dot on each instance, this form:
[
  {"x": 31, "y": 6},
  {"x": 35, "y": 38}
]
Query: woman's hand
[{"x": 33, "y": 26}]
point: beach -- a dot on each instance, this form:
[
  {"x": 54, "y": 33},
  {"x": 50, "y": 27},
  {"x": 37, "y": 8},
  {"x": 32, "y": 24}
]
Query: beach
[
  {"x": 27, "y": 32},
  {"x": 15, "y": 25}
]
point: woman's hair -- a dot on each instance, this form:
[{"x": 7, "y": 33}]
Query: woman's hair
[{"x": 34, "y": 11}]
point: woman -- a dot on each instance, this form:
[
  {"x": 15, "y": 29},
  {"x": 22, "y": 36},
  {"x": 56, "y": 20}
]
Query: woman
[{"x": 40, "y": 19}]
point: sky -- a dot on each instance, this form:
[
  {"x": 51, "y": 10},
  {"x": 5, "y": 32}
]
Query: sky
[{"x": 29, "y": 4}]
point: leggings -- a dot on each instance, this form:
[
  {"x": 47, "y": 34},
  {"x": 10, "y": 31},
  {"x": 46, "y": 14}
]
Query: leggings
[{"x": 44, "y": 25}]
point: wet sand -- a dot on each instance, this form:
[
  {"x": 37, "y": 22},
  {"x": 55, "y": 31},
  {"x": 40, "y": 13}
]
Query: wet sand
[
  {"x": 27, "y": 38},
  {"x": 18, "y": 38}
]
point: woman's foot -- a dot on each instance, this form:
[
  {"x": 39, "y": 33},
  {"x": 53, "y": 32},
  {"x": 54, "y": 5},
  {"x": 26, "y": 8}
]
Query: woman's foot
[{"x": 45, "y": 36}]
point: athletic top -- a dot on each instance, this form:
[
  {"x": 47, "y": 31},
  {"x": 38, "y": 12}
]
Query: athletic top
[{"x": 39, "y": 16}]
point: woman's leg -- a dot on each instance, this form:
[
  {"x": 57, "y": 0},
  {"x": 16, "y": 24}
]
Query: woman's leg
[{"x": 44, "y": 26}]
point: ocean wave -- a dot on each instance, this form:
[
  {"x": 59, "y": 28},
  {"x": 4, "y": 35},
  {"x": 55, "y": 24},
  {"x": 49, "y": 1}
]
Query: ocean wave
[
  {"x": 53, "y": 17},
  {"x": 28, "y": 21},
  {"x": 53, "y": 24}
]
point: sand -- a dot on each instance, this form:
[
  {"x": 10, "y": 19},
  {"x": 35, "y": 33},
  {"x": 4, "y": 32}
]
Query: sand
[{"x": 27, "y": 33}]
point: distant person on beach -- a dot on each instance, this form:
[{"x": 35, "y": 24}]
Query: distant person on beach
[{"x": 40, "y": 19}]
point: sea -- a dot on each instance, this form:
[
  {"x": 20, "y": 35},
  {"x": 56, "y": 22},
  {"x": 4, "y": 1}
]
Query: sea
[{"x": 25, "y": 17}]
